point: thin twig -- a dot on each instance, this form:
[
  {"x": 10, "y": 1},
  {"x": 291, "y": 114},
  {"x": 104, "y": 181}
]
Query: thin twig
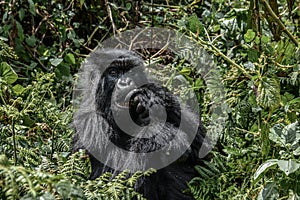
[
  {"x": 110, "y": 16},
  {"x": 243, "y": 130}
]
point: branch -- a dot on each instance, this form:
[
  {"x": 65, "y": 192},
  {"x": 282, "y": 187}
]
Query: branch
[
  {"x": 219, "y": 53},
  {"x": 279, "y": 22}
]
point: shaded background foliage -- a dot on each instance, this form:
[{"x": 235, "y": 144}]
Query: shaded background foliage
[{"x": 256, "y": 48}]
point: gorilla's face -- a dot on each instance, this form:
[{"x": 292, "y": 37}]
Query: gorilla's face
[{"x": 121, "y": 86}]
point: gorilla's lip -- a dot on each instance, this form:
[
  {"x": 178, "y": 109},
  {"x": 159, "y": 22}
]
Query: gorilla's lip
[{"x": 124, "y": 101}]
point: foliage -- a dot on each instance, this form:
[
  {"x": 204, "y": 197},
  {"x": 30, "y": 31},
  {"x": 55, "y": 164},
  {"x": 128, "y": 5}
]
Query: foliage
[
  {"x": 256, "y": 48},
  {"x": 120, "y": 187}
]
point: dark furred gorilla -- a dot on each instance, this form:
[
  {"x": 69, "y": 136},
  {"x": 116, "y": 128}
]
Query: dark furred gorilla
[{"x": 125, "y": 121}]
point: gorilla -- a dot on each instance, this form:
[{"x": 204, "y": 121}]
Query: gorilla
[{"x": 126, "y": 120}]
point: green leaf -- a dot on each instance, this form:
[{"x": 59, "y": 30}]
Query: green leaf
[
  {"x": 288, "y": 166},
  {"x": 268, "y": 93},
  {"x": 31, "y": 7},
  {"x": 249, "y": 36},
  {"x": 81, "y": 2},
  {"x": 20, "y": 31},
  {"x": 253, "y": 55},
  {"x": 276, "y": 135},
  {"x": 31, "y": 40},
  {"x": 265, "y": 166},
  {"x": 292, "y": 133},
  {"x": 269, "y": 192},
  {"x": 63, "y": 188},
  {"x": 70, "y": 58},
  {"x": 128, "y": 6},
  {"x": 283, "y": 136},
  {"x": 265, "y": 39},
  {"x": 195, "y": 24},
  {"x": 295, "y": 101},
  {"x": 21, "y": 14},
  {"x": 55, "y": 61},
  {"x": 63, "y": 70},
  {"x": 7, "y": 73},
  {"x": 185, "y": 71},
  {"x": 18, "y": 89}
]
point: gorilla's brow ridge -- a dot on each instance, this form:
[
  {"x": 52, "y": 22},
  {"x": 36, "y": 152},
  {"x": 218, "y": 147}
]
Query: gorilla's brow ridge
[{"x": 126, "y": 62}]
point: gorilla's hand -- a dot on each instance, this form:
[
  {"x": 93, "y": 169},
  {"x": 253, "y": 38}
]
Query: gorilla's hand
[{"x": 139, "y": 109}]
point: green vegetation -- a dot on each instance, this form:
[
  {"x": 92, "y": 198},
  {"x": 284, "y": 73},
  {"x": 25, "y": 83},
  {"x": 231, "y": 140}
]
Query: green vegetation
[{"x": 256, "y": 49}]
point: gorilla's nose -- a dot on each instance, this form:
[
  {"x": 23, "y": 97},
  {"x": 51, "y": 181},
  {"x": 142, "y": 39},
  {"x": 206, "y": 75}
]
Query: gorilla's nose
[{"x": 125, "y": 82}]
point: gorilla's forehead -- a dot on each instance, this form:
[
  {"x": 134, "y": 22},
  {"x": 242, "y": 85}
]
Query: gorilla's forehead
[
  {"x": 105, "y": 58},
  {"x": 126, "y": 62}
]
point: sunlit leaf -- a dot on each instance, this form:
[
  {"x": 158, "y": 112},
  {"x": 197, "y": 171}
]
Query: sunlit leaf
[
  {"x": 70, "y": 58},
  {"x": 289, "y": 134},
  {"x": 262, "y": 168},
  {"x": 18, "y": 89},
  {"x": 7, "y": 73},
  {"x": 288, "y": 166},
  {"x": 268, "y": 93},
  {"x": 55, "y": 61},
  {"x": 250, "y": 35}
]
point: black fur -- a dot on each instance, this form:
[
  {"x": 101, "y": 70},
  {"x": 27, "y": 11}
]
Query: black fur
[{"x": 103, "y": 89}]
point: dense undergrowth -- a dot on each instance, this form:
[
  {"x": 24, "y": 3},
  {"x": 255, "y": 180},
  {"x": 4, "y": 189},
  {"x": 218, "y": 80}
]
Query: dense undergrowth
[{"x": 255, "y": 46}]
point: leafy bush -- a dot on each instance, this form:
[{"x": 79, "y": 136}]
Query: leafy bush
[{"x": 256, "y": 48}]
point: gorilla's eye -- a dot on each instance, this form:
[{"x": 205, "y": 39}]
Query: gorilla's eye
[{"x": 113, "y": 71}]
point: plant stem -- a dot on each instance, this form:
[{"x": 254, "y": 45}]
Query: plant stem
[{"x": 279, "y": 22}]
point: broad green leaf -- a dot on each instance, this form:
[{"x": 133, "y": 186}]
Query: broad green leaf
[
  {"x": 31, "y": 41},
  {"x": 64, "y": 70},
  {"x": 70, "y": 58},
  {"x": 268, "y": 93},
  {"x": 276, "y": 134},
  {"x": 288, "y": 166},
  {"x": 269, "y": 192},
  {"x": 18, "y": 89},
  {"x": 289, "y": 134},
  {"x": 55, "y": 61},
  {"x": 292, "y": 133},
  {"x": 31, "y": 7},
  {"x": 266, "y": 165},
  {"x": 265, "y": 39},
  {"x": 249, "y": 36},
  {"x": 7, "y": 73},
  {"x": 294, "y": 101}
]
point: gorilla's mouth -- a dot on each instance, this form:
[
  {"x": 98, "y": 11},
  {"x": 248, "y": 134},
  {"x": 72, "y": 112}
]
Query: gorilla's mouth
[{"x": 125, "y": 101}]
